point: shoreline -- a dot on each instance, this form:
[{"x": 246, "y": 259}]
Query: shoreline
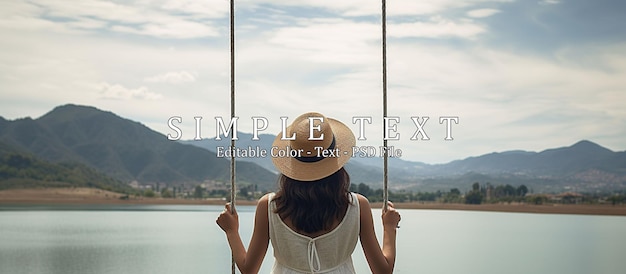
[{"x": 88, "y": 196}]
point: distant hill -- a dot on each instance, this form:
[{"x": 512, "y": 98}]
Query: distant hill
[
  {"x": 584, "y": 166},
  {"x": 123, "y": 149},
  {"x": 126, "y": 150},
  {"x": 559, "y": 161},
  {"x": 21, "y": 170}
]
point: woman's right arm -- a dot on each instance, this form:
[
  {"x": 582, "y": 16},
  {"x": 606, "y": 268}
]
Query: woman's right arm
[{"x": 380, "y": 261}]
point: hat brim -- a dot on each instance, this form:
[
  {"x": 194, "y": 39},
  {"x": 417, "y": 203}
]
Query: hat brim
[{"x": 311, "y": 171}]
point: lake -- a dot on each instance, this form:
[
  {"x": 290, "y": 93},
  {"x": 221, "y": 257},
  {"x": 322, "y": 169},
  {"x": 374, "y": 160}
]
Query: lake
[{"x": 185, "y": 239}]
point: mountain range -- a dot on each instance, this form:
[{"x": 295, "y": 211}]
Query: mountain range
[
  {"x": 122, "y": 149},
  {"x": 126, "y": 151},
  {"x": 583, "y": 166}
]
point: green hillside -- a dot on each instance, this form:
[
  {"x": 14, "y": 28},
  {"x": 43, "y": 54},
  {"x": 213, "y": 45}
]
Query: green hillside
[
  {"x": 120, "y": 148},
  {"x": 20, "y": 170}
]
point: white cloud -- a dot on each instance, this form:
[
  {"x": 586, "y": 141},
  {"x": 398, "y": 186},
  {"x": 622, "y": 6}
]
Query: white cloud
[
  {"x": 199, "y": 9},
  {"x": 172, "y": 77},
  {"x": 549, "y": 2},
  {"x": 482, "y": 13},
  {"x": 326, "y": 40},
  {"x": 345, "y": 42},
  {"x": 86, "y": 24},
  {"x": 365, "y": 8},
  {"x": 196, "y": 19},
  {"x": 168, "y": 28},
  {"x": 138, "y": 17},
  {"x": 119, "y": 92},
  {"x": 301, "y": 59},
  {"x": 436, "y": 27},
  {"x": 559, "y": 102}
]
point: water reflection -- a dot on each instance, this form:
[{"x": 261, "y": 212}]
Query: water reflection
[{"x": 185, "y": 239}]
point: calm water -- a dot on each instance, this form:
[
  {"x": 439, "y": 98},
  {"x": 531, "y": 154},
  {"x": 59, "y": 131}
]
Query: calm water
[{"x": 185, "y": 239}]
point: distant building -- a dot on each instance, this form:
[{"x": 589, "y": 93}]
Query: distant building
[
  {"x": 134, "y": 184},
  {"x": 567, "y": 198}
]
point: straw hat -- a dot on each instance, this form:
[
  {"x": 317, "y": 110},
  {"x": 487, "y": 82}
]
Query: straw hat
[{"x": 309, "y": 158}]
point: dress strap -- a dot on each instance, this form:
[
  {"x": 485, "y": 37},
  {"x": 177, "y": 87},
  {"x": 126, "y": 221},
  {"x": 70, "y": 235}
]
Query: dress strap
[
  {"x": 313, "y": 257},
  {"x": 269, "y": 204}
]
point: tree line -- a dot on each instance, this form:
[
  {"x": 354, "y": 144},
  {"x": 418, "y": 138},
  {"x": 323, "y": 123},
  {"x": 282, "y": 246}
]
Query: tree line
[
  {"x": 488, "y": 193},
  {"x": 19, "y": 170},
  {"x": 454, "y": 195}
]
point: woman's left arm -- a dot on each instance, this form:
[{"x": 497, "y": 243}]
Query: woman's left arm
[{"x": 247, "y": 262}]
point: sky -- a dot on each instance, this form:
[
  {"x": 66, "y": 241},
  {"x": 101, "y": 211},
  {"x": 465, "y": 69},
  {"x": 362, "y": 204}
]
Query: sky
[{"x": 519, "y": 75}]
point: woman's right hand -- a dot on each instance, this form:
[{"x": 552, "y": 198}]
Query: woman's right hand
[
  {"x": 228, "y": 219},
  {"x": 391, "y": 217}
]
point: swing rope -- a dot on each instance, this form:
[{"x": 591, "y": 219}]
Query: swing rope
[
  {"x": 232, "y": 116},
  {"x": 232, "y": 110},
  {"x": 232, "y": 102},
  {"x": 386, "y": 153}
]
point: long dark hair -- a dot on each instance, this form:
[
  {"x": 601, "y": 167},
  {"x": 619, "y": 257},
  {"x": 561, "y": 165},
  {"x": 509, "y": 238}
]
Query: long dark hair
[{"x": 313, "y": 206}]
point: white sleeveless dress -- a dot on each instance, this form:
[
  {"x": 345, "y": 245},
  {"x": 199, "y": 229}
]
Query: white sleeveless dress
[{"x": 295, "y": 253}]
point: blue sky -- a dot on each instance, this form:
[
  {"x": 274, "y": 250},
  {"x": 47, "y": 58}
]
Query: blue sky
[{"x": 526, "y": 75}]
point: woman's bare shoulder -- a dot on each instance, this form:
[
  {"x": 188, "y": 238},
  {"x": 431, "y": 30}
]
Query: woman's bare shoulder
[
  {"x": 363, "y": 201},
  {"x": 265, "y": 198},
  {"x": 262, "y": 207},
  {"x": 361, "y": 197}
]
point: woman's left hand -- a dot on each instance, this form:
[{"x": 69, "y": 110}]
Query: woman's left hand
[
  {"x": 228, "y": 220},
  {"x": 391, "y": 217}
]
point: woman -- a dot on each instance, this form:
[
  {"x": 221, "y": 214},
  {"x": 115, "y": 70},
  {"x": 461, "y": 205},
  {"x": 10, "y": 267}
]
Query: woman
[{"x": 313, "y": 221}]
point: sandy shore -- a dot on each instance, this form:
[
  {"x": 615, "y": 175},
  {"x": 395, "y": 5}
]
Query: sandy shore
[
  {"x": 618, "y": 210},
  {"x": 93, "y": 196},
  {"x": 96, "y": 196}
]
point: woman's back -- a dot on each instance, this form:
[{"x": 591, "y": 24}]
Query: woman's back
[
  {"x": 313, "y": 199},
  {"x": 328, "y": 253}
]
